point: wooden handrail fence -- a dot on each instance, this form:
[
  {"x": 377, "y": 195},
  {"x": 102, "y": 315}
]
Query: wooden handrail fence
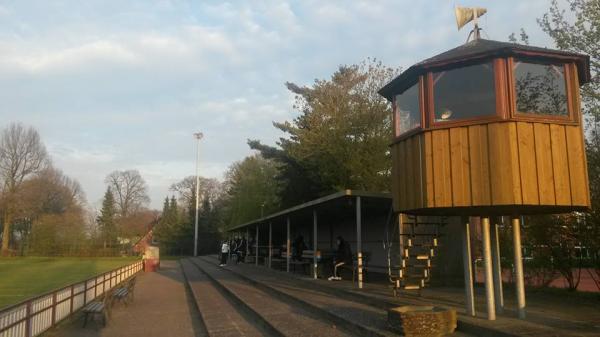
[{"x": 35, "y": 315}]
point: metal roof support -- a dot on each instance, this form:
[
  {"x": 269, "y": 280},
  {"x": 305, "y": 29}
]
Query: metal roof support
[
  {"x": 519, "y": 283},
  {"x": 487, "y": 264},
  {"x": 359, "y": 264},
  {"x": 468, "y": 272},
  {"x": 497, "y": 269},
  {"x": 256, "y": 247},
  {"x": 288, "y": 247},
  {"x": 270, "y": 243},
  {"x": 315, "y": 244},
  {"x": 247, "y": 241}
]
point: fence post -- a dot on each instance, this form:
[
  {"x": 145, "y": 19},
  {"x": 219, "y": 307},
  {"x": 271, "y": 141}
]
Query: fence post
[
  {"x": 53, "y": 308},
  {"x": 71, "y": 299},
  {"x": 85, "y": 290},
  {"x": 28, "y": 319}
]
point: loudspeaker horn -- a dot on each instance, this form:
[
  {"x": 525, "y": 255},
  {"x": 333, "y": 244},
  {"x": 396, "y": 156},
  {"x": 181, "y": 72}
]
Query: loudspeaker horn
[{"x": 465, "y": 15}]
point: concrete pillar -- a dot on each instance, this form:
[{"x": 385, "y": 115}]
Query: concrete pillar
[
  {"x": 487, "y": 263},
  {"x": 315, "y": 248},
  {"x": 468, "y": 272},
  {"x": 288, "y": 247},
  {"x": 270, "y": 243},
  {"x": 519, "y": 281},
  {"x": 497, "y": 269},
  {"x": 359, "y": 262}
]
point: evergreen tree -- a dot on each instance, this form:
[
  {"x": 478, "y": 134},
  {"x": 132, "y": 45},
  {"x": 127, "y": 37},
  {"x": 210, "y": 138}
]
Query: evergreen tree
[
  {"x": 107, "y": 219},
  {"x": 174, "y": 211},
  {"x": 340, "y": 139}
]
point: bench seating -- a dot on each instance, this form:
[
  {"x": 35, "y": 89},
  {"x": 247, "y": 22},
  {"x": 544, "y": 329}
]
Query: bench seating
[
  {"x": 125, "y": 294},
  {"x": 99, "y": 308},
  {"x": 103, "y": 307}
]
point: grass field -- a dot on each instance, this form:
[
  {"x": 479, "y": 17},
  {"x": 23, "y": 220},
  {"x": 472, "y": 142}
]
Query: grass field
[{"x": 21, "y": 278}]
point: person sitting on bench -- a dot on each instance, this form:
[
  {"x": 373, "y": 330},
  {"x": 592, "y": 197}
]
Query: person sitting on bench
[
  {"x": 298, "y": 247},
  {"x": 343, "y": 256}
]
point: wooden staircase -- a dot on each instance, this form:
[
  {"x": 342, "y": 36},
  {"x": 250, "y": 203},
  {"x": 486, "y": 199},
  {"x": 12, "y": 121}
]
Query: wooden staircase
[{"x": 418, "y": 241}]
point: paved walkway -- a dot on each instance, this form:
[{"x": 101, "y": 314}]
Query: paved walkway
[{"x": 161, "y": 308}]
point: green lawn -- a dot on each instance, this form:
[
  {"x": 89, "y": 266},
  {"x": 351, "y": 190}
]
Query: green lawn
[{"x": 21, "y": 278}]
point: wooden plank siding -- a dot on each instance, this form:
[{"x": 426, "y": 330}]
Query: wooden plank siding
[
  {"x": 543, "y": 158},
  {"x": 527, "y": 166},
  {"x": 560, "y": 165},
  {"x": 503, "y": 155},
  {"x": 494, "y": 164},
  {"x": 442, "y": 174},
  {"x": 577, "y": 167},
  {"x": 460, "y": 166},
  {"x": 479, "y": 165}
]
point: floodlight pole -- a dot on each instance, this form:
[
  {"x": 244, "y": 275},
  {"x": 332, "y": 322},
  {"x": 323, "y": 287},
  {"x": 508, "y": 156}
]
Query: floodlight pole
[{"x": 198, "y": 136}]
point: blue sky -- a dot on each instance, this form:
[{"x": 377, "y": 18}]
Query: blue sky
[{"x": 115, "y": 85}]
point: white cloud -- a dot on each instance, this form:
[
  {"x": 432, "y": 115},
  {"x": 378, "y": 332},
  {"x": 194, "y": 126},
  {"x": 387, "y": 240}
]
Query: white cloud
[
  {"x": 121, "y": 86},
  {"x": 74, "y": 57}
]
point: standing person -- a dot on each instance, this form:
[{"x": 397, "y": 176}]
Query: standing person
[
  {"x": 343, "y": 256},
  {"x": 224, "y": 253},
  {"x": 244, "y": 243},
  {"x": 236, "y": 249}
]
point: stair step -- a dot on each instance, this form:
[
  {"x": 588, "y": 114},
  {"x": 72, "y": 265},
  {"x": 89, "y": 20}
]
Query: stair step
[
  {"x": 261, "y": 306},
  {"x": 212, "y": 304},
  {"x": 420, "y": 256}
]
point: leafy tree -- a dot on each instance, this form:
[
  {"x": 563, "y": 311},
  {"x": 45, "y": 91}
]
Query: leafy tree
[
  {"x": 580, "y": 35},
  {"x": 107, "y": 219},
  {"x": 577, "y": 30},
  {"x": 340, "y": 139},
  {"x": 251, "y": 189}
]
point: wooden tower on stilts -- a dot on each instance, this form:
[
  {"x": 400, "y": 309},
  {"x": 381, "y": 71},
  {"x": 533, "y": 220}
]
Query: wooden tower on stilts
[{"x": 490, "y": 129}]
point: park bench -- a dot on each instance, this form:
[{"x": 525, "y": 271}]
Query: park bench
[
  {"x": 125, "y": 294},
  {"x": 276, "y": 258},
  {"x": 99, "y": 308},
  {"x": 293, "y": 262}
]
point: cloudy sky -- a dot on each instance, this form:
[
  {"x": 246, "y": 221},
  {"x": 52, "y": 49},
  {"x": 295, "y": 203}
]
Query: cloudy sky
[{"x": 115, "y": 85}]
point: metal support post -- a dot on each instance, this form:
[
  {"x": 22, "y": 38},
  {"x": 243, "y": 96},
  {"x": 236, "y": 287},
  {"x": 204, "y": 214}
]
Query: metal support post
[
  {"x": 519, "y": 282},
  {"x": 487, "y": 264},
  {"x": 468, "y": 272},
  {"x": 497, "y": 269},
  {"x": 401, "y": 244},
  {"x": 247, "y": 242},
  {"x": 315, "y": 245},
  {"x": 270, "y": 243},
  {"x": 256, "y": 247},
  {"x": 359, "y": 262},
  {"x": 288, "y": 247}
]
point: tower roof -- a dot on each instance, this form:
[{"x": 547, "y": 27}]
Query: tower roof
[{"x": 478, "y": 49}]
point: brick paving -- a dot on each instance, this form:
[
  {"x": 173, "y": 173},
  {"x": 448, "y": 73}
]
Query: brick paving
[{"x": 161, "y": 308}]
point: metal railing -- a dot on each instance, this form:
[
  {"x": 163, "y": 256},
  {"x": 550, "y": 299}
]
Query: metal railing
[{"x": 33, "y": 316}]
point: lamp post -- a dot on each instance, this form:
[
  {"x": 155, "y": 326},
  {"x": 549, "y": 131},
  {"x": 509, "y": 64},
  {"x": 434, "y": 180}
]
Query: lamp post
[{"x": 198, "y": 136}]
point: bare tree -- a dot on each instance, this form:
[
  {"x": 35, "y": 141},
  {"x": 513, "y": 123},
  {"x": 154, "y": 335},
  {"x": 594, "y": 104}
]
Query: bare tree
[
  {"x": 130, "y": 189},
  {"x": 210, "y": 190},
  {"x": 22, "y": 154}
]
